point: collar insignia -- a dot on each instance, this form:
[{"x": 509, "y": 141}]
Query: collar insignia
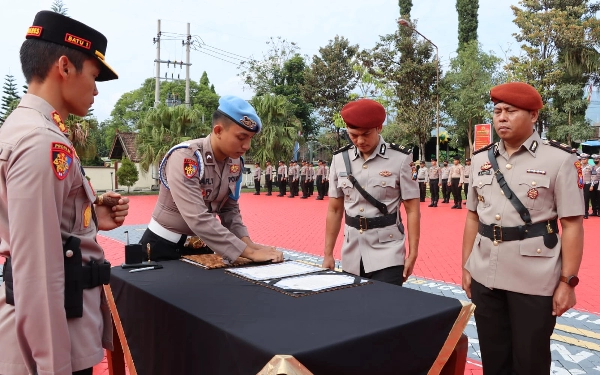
[
  {"x": 234, "y": 168},
  {"x": 382, "y": 149},
  {"x": 208, "y": 156},
  {"x": 61, "y": 157},
  {"x": 533, "y": 146},
  {"x": 59, "y": 122}
]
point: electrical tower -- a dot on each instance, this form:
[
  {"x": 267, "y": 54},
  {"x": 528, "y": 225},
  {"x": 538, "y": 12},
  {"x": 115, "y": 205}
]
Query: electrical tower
[{"x": 158, "y": 61}]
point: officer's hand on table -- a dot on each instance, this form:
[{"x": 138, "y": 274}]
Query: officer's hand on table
[
  {"x": 328, "y": 262},
  {"x": 466, "y": 282},
  {"x": 563, "y": 299},
  {"x": 409, "y": 264},
  {"x": 263, "y": 254},
  {"x": 111, "y": 217}
]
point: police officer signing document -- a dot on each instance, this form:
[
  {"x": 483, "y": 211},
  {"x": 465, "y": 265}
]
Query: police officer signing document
[
  {"x": 54, "y": 318},
  {"x": 200, "y": 179},
  {"x": 517, "y": 270},
  {"x": 369, "y": 180}
]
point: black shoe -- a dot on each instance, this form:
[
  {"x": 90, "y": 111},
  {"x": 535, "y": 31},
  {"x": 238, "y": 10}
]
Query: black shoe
[
  {"x": 435, "y": 204},
  {"x": 319, "y": 199},
  {"x": 432, "y": 204},
  {"x": 303, "y": 197},
  {"x": 256, "y": 193},
  {"x": 268, "y": 194},
  {"x": 585, "y": 216},
  {"x": 280, "y": 195},
  {"x": 455, "y": 206},
  {"x": 291, "y": 196}
]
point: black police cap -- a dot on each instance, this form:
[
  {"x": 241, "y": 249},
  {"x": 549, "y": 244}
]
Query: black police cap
[{"x": 56, "y": 28}]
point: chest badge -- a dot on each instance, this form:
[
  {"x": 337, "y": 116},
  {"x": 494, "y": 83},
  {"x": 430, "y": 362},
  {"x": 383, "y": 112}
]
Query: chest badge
[
  {"x": 59, "y": 122},
  {"x": 385, "y": 173},
  {"x": 234, "y": 168},
  {"x": 536, "y": 171},
  {"x": 61, "y": 157},
  {"x": 190, "y": 167},
  {"x": 533, "y": 193},
  {"x": 481, "y": 198},
  {"x": 486, "y": 166}
]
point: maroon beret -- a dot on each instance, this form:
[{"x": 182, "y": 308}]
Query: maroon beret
[
  {"x": 363, "y": 113},
  {"x": 519, "y": 94}
]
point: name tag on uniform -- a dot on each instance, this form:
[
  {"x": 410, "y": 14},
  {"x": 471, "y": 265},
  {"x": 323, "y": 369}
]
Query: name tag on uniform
[
  {"x": 482, "y": 173},
  {"x": 343, "y": 174}
]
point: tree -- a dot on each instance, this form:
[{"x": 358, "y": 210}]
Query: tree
[
  {"x": 128, "y": 174},
  {"x": 330, "y": 79},
  {"x": 409, "y": 70},
  {"x": 467, "y": 21},
  {"x": 465, "y": 89},
  {"x": 405, "y": 8},
  {"x": 280, "y": 128},
  {"x": 559, "y": 38},
  {"x": 59, "y": 7},
  {"x": 165, "y": 127},
  {"x": 281, "y": 72},
  {"x": 566, "y": 126},
  {"x": 10, "y": 97}
]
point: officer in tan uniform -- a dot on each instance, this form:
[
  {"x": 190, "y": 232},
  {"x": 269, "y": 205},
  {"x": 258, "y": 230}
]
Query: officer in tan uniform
[
  {"x": 595, "y": 191},
  {"x": 455, "y": 181},
  {"x": 519, "y": 273},
  {"x": 320, "y": 180},
  {"x": 269, "y": 177},
  {"x": 445, "y": 173},
  {"x": 467, "y": 174},
  {"x": 304, "y": 179},
  {"x": 54, "y": 317},
  {"x": 374, "y": 238},
  {"x": 433, "y": 177},
  {"x": 282, "y": 175},
  {"x": 200, "y": 179},
  {"x": 311, "y": 178},
  {"x": 256, "y": 175},
  {"x": 586, "y": 171},
  {"x": 422, "y": 179},
  {"x": 293, "y": 178}
]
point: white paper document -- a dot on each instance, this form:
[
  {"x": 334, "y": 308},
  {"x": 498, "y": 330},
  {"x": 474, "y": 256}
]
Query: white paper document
[
  {"x": 315, "y": 282},
  {"x": 274, "y": 271}
]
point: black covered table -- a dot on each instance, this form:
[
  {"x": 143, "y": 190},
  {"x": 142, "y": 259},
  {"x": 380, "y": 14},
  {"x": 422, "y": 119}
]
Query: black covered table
[{"x": 183, "y": 319}]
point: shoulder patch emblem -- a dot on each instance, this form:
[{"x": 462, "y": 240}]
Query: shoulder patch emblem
[
  {"x": 404, "y": 150},
  {"x": 485, "y": 148},
  {"x": 346, "y": 147},
  {"x": 59, "y": 121},
  {"x": 61, "y": 157},
  {"x": 579, "y": 174},
  {"x": 190, "y": 167},
  {"x": 562, "y": 146},
  {"x": 234, "y": 168},
  {"x": 87, "y": 216}
]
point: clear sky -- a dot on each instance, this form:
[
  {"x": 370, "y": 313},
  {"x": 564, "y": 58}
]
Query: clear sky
[{"x": 243, "y": 27}]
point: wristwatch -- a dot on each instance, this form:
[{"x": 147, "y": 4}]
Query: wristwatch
[{"x": 571, "y": 280}]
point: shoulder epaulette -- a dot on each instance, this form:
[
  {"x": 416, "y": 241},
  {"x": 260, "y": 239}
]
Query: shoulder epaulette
[
  {"x": 562, "y": 146},
  {"x": 401, "y": 148},
  {"x": 485, "y": 148},
  {"x": 347, "y": 147}
]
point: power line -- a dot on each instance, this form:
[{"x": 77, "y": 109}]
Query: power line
[{"x": 216, "y": 57}]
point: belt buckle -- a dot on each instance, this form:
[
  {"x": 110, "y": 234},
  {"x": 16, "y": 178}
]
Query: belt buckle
[
  {"x": 360, "y": 224},
  {"x": 497, "y": 234}
]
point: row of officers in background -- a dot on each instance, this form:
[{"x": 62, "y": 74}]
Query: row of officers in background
[
  {"x": 295, "y": 176},
  {"x": 590, "y": 173},
  {"x": 451, "y": 179}
]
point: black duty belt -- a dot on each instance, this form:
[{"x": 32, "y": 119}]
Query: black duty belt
[
  {"x": 499, "y": 233},
  {"x": 95, "y": 274},
  {"x": 364, "y": 223}
]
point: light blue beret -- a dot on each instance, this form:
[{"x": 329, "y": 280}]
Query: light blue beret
[{"x": 240, "y": 112}]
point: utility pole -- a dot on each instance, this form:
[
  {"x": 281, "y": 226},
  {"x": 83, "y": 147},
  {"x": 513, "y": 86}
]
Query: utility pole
[
  {"x": 187, "y": 42},
  {"x": 157, "y": 84}
]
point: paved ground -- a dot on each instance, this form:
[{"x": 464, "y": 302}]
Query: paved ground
[{"x": 298, "y": 227}]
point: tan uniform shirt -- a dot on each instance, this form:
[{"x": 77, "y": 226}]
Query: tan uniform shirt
[
  {"x": 467, "y": 172},
  {"x": 586, "y": 170},
  {"x": 522, "y": 266},
  {"x": 434, "y": 173},
  {"x": 423, "y": 175},
  {"x": 282, "y": 170},
  {"x": 457, "y": 171},
  {"x": 269, "y": 172},
  {"x": 192, "y": 203},
  {"x": 321, "y": 171},
  {"x": 45, "y": 199},
  {"x": 387, "y": 176},
  {"x": 293, "y": 172},
  {"x": 445, "y": 172},
  {"x": 304, "y": 171},
  {"x": 326, "y": 177},
  {"x": 257, "y": 172},
  {"x": 311, "y": 173}
]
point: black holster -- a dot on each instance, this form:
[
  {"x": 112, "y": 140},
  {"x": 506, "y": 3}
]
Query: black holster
[{"x": 77, "y": 277}]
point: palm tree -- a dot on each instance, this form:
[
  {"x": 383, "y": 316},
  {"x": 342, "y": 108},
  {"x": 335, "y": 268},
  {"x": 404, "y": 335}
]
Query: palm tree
[
  {"x": 59, "y": 7},
  {"x": 79, "y": 129},
  {"x": 164, "y": 127},
  {"x": 280, "y": 128}
]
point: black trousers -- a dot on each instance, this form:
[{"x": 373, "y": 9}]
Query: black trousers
[
  {"x": 257, "y": 185},
  {"x": 445, "y": 190},
  {"x": 586, "y": 198},
  {"x": 466, "y": 187},
  {"x": 304, "y": 186},
  {"x": 422, "y": 190},
  {"x": 434, "y": 189},
  {"x": 514, "y": 331},
  {"x": 595, "y": 194},
  {"x": 456, "y": 193},
  {"x": 326, "y": 187},
  {"x": 87, "y": 371},
  {"x": 269, "y": 183},
  {"x": 390, "y": 275},
  {"x": 311, "y": 187},
  {"x": 320, "y": 186},
  {"x": 295, "y": 187},
  {"x": 281, "y": 183},
  {"x": 161, "y": 249}
]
